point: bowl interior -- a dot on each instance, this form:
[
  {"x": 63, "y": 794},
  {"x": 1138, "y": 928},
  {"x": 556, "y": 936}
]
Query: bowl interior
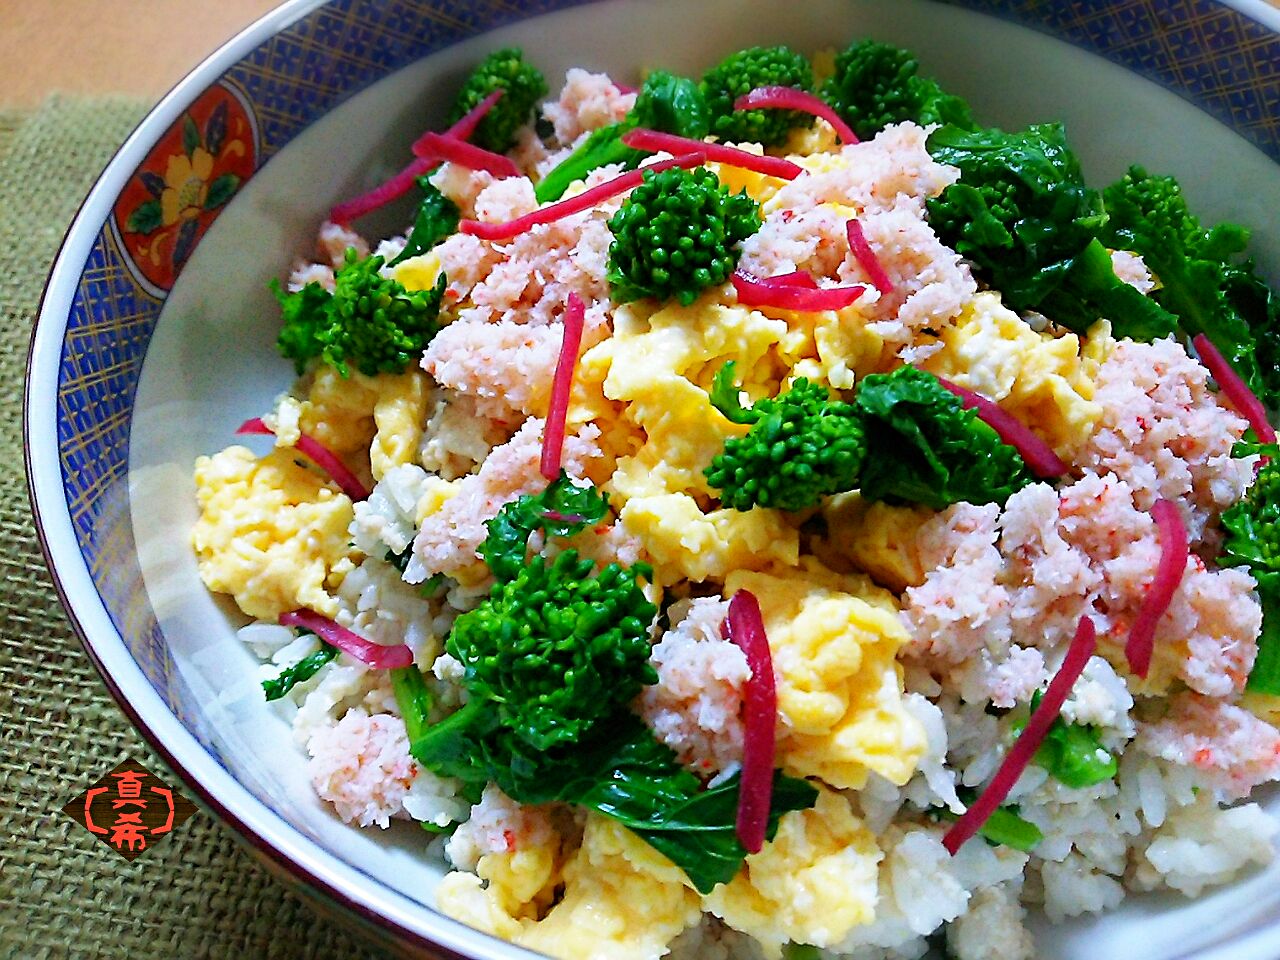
[{"x": 211, "y": 362}]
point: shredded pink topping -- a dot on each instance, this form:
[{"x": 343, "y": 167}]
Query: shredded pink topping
[
  {"x": 789, "y": 98},
  {"x": 399, "y": 185},
  {"x": 1172, "y": 533},
  {"x": 366, "y": 651},
  {"x": 744, "y": 626},
  {"x": 654, "y": 140},
  {"x": 867, "y": 258},
  {"x": 1237, "y": 391},
  {"x": 576, "y": 204},
  {"x": 1039, "y": 456},
  {"x": 440, "y": 146},
  {"x": 1028, "y": 742},
  {"x": 785, "y": 292},
  {"x": 561, "y": 386},
  {"x": 320, "y": 455}
]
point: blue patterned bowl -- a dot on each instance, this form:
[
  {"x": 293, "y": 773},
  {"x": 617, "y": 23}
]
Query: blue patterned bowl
[{"x": 155, "y": 336}]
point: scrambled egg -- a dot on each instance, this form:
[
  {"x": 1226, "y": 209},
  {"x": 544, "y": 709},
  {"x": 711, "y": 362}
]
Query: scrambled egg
[
  {"x": 1044, "y": 381},
  {"x": 834, "y": 641},
  {"x": 622, "y": 901},
  {"x": 661, "y": 366},
  {"x": 878, "y": 538},
  {"x": 378, "y": 417},
  {"x": 271, "y": 533},
  {"x": 813, "y": 883}
]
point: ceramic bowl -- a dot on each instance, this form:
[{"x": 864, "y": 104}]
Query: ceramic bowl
[{"x": 156, "y": 334}]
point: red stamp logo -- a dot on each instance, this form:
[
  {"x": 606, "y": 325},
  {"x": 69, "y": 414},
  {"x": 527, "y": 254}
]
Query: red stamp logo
[{"x": 129, "y": 808}]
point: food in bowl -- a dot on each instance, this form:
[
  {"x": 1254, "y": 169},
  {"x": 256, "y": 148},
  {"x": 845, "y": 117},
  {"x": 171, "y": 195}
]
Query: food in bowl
[{"x": 770, "y": 515}]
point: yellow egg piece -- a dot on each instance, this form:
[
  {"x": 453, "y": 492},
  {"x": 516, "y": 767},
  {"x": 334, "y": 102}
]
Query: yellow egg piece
[
  {"x": 813, "y": 883},
  {"x": 622, "y": 900},
  {"x": 418, "y": 273},
  {"x": 686, "y": 543},
  {"x": 839, "y": 686},
  {"x": 1043, "y": 380},
  {"x": 271, "y": 533}
]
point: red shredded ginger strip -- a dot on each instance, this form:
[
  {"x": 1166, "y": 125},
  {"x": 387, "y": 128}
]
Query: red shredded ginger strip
[
  {"x": 789, "y": 98},
  {"x": 642, "y": 138},
  {"x": 320, "y": 455},
  {"x": 1039, "y": 456},
  {"x": 399, "y": 185},
  {"x": 561, "y": 386},
  {"x": 744, "y": 626},
  {"x": 867, "y": 258},
  {"x": 366, "y": 651},
  {"x": 1028, "y": 742},
  {"x": 1237, "y": 391},
  {"x": 575, "y": 204},
  {"x": 1174, "y": 551},
  {"x": 464, "y": 128},
  {"x": 796, "y": 278},
  {"x": 786, "y": 292},
  {"x": 439, "y": 146}
]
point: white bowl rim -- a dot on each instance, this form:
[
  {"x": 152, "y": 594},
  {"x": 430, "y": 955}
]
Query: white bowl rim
[{"x": 265, "y": 831}]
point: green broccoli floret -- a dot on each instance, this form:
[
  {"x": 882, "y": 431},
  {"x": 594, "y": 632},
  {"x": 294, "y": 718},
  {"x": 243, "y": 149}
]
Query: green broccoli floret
[
  {"x": 1199, "y": 282},
  {"x": 1252, "y": 526},
  {"x": 523, "y": 86},
  {"x": 665, "y": 102},
  {"x": 925, "y": 447},
  {"x": 1252, "y": 529},
  {"x": 802, "y": 446},
  {"x": 739, "y": 74},
  {"x": 551, "y": 661},
  {"x": 369, "y": 321},
  {"x": 557, "y": 648},
  {"x": 1022, "y": 214},
  {"x": 876, "y": 84},
  {"x": 677, "y": 234},
  {"x": 305, "y": 316}
]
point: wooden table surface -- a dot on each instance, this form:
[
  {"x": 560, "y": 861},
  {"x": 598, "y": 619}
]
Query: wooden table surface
[{"x": 97, "y": 47}]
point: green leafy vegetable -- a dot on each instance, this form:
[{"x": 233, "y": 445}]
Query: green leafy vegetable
[
  {"x": 1252, "y": 540},
  {"x": 437, "y": 219},
  {"x": 925, "y": 447},
  {"x": 665, "y": 102},
  {"x": 876, "y": 84},
  {"x": 1198, "y": 280},
  {"x": 522, "y": 85},
  {"x": 1252, "y": 526},
  {"x": 1073, "y": 753},
  {"x": 727, "y": 398},
  {"x": 802, "y": 446},
  {"x": 676, "y": 234},
  {"x": 370, "y": 321},
  {"x": 740, "y": 73},
  {"x": 304, "y": 669},
  {"x": 414, "y": 700},
  {"x": 561, "y": 510},
  {"x": 1265, "y": 675},
  {"x": 1005, "y": 827},
  {"x": 1022, "y": 214}
]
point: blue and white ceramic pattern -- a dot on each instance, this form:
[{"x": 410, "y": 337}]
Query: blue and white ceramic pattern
[{"x": 154, "y": 336}]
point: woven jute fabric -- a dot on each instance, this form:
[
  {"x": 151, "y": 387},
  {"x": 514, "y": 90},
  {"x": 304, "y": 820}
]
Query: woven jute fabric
[{"x": 64, "y": 894}]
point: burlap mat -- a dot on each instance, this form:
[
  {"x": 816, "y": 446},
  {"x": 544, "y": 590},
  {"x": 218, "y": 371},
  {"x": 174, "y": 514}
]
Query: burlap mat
[{"x": 63, "y": 894}]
